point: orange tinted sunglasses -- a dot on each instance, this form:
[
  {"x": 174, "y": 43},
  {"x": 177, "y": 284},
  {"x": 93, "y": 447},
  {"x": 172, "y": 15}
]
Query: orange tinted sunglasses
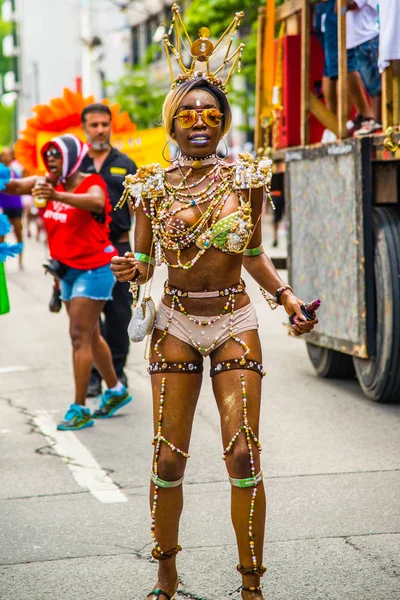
[{"x": 187, "y": 118}]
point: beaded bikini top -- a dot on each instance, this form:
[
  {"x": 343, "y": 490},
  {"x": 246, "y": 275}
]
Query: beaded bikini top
[{"x": 229, "y": 234}]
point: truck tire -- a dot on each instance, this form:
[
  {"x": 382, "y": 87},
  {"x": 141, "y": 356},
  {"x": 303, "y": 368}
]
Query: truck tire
[
  {"x": 379, "y": 375},
  {"x": 330, "y": 363}
]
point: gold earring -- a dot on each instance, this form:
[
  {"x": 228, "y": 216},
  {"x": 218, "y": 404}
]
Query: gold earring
[
  {"x": 226, "y": 148},
  {"x": 163, "y": 151}
]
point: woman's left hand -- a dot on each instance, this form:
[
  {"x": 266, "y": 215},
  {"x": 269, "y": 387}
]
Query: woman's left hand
[
  {"x": 45, "y": 191},
  {"x": 292, "y": 305}
]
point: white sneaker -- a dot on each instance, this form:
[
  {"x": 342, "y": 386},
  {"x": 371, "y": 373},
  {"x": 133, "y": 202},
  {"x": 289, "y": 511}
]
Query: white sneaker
[
  {"x": 328, "y": 136},
  {"x": 367, "y": 128}
]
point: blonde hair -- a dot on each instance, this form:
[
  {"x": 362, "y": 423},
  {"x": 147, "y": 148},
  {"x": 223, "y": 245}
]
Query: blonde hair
[{"x": 175, "y": 96}]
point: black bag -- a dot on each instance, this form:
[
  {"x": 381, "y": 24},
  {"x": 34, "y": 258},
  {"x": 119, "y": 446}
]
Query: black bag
[{"x": 56, "y": 268}]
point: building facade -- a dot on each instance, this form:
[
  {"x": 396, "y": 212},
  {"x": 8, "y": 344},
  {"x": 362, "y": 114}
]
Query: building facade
[{"x": 69, "y": 43}]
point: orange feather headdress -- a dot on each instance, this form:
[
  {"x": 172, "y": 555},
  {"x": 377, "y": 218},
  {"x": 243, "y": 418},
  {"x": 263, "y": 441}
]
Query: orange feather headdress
[{"x": 61, "y": 115}]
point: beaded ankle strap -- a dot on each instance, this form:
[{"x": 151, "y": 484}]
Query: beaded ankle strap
[
  {"x": 253, "y": 588},
  {"x": 257, "y": 570},
  {"x": 159, "y": 554}
]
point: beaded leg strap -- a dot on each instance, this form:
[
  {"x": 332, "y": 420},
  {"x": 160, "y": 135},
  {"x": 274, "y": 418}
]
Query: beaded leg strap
[
  {"x": 190, "y": 367},
  {"x": 157, "y": 552},
  {"x": 249, "y": 482},
  {"x": 256, "y": 570},
  {"x": 237, "y": 363},
  {"x": 253, "y": 588}
]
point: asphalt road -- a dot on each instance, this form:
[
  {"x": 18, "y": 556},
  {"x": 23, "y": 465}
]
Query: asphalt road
[{"x": 74, "y": 518}]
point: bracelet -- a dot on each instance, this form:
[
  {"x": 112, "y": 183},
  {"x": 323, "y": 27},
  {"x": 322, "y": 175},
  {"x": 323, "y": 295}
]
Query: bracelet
[
  {"x": 136, "y": 275},
  {"x": 271, "y": 300},
  {"x": 280, "y": 291},
  {"x": 144, "y": 258},
  {"x": 254, "y": 251}
]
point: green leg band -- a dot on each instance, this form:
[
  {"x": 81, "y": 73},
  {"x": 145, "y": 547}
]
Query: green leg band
[
  {"x": 166, "y": 484},
  {"x": 249, "y": 482}
]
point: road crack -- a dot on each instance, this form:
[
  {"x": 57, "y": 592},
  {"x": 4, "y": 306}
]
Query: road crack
[{"x": 392, "y": 570}]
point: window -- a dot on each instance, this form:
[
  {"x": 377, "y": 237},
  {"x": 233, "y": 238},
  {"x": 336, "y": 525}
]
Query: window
[
  {"x": 135, "y": 32},
  {"x": 151, "y": 27}
]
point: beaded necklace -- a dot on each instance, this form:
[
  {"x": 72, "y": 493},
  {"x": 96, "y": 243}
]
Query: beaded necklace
[
  {"x": 164, "y": 215},
  {"x": 170, "y": 187},
  {"x": 181, "y": 239}
]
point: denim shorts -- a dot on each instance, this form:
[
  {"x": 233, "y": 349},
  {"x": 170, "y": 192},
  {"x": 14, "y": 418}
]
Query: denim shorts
[
  {"x": 96, "y": 284},
  {"x": 331, "y": 49},
  {"x": 367, "y": 64}
]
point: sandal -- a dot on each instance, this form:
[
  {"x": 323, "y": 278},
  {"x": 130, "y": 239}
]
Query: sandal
[
  {"x": 253, "y": 588},
  {"x": 158, "y": 592}
]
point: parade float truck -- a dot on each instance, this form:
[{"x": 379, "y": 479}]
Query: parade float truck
[{"x": 342, "y": 200}]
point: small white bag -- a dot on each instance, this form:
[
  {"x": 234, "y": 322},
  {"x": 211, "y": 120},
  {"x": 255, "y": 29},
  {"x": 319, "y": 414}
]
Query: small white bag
[
  {"x": 142, "y": 320},
  {"x": 144, "y": 314}
]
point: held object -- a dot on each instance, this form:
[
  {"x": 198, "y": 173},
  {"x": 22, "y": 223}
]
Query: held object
[
  {"x": 142, "y": 320},
  {"x": 308, "y": 311},
  {"x": 39, "y": 202},
  {"x": 144, "y": 315}
]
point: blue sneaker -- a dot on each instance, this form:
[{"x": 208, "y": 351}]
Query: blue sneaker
[
  {"x": 76, "y": 417},
  {"x": 111, "y": 402}
]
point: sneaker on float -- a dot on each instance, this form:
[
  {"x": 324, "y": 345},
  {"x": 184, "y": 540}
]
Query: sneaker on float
[
  {"x": 328, "y": 136},
  {"x": 368, "y": 128},
  {"x": 111, "y": 402},
  {"x": 76, "y": 417}
]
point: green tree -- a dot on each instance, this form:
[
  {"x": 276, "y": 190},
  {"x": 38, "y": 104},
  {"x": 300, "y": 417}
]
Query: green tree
[
  {"x": 6, "y": 112},
  {"x": 6, "y": 125},
  {"x": 140, "y": 93},
  {"x": 142, "y": 96}
]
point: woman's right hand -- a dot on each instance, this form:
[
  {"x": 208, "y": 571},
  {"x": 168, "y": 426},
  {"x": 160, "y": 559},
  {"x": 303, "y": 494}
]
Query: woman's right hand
[{"x": 125, "y": 267}]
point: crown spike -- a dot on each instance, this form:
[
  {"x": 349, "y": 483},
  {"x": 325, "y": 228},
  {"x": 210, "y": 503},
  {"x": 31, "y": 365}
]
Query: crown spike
[{"x": 202, "y": 50}]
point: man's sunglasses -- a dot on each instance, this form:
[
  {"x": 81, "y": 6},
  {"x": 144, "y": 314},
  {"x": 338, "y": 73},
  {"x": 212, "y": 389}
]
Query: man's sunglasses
[
  {"x": 56, "y": 153},
  {"x": 211, "y": 117}
]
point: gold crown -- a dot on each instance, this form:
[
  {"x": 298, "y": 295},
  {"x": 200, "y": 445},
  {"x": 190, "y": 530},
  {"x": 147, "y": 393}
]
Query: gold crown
[{"x": 203, "y": 51}]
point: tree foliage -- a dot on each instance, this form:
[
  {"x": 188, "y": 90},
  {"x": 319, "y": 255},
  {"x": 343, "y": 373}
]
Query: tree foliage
[
  {"x": 6, "y": 125},
  {"x": 141, "y": 93},
  {"x": 5, "y": 61},
  {"x": 6, "y": 112}
]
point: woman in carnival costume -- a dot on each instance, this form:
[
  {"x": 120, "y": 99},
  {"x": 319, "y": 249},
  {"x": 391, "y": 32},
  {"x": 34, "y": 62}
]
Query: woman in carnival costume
[
  {"x": 201, "y": 217},
  {"x": 76, "y": 218}
]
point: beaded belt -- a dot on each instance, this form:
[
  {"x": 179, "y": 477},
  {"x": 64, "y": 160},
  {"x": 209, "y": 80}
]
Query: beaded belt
[{"x": 238, "y": 288}]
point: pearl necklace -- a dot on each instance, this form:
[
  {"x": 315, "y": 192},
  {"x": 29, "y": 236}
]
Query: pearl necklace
[
  {"x": 170, "y": 186},
  {"x": 197, "y": 163}
]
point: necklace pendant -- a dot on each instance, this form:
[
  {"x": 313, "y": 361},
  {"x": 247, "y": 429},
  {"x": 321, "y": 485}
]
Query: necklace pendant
[{"x": 197, "y": 164}]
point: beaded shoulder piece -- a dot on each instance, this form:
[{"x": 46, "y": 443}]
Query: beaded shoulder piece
[
  {"x": 147, "y": 182},
  {"x": 251, "y": 173}
]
